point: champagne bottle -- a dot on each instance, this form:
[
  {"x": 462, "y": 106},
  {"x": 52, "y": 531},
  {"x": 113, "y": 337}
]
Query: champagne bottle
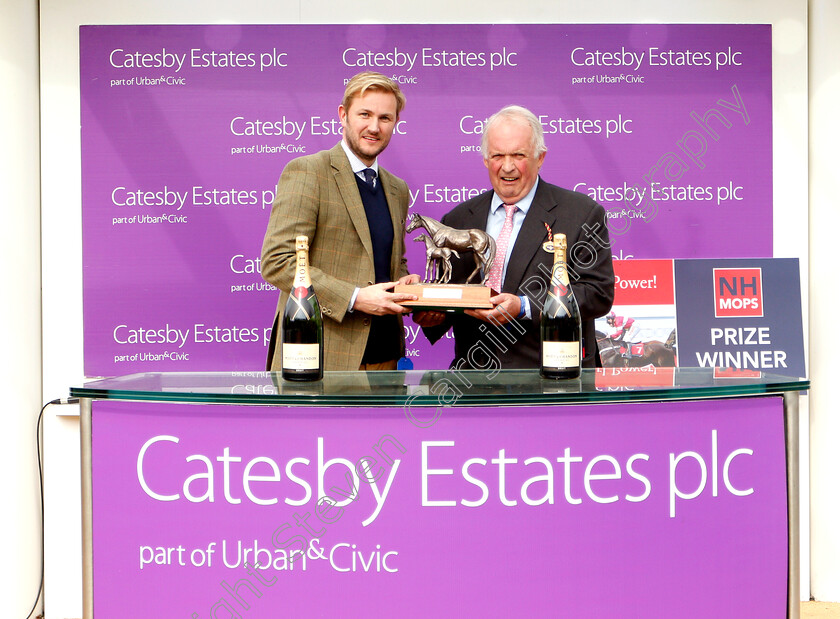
[
  {"x": 302, "y": 330},
  {"x": 560, "y": 332}
]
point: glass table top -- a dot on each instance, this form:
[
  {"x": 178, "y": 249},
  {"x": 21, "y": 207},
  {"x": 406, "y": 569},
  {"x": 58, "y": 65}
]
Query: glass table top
[{"x": 441, "y": 387}]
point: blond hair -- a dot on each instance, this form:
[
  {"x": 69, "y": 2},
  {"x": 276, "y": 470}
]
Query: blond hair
[{"x": 360, "y": 83}]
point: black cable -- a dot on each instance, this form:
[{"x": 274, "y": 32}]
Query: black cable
[{"x": 38, "y": 430}]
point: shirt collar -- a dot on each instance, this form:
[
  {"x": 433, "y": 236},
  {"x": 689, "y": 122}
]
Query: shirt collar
[
  {"x": 524, "y": 204},
  {"x": 356, "y": 164}
]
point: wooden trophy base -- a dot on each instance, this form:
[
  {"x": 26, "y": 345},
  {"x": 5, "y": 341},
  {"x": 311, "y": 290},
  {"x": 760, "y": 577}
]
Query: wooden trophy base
[{"x": 447, "y": 297}]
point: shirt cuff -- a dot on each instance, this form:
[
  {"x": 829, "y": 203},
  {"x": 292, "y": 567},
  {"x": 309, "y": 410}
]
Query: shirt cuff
[
  {"x": 524, "y": 308},
  {"x": 353, "y": 300}
]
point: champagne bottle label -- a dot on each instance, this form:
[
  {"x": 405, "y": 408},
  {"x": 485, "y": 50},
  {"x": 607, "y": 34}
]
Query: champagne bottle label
[
  {"x": 561, "y": 354},
  {"x": 301, "y": 356}
]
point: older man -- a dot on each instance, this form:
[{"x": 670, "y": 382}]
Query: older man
[
  {"x": 521, "y": 212},
  {"x": 353, "y": 212}
]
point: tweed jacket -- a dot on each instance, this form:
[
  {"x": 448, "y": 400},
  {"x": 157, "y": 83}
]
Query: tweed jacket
[{"x": 317, "y": 196}]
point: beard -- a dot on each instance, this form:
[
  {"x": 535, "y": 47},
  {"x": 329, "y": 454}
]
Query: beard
[{"x": 365, "y": 151}]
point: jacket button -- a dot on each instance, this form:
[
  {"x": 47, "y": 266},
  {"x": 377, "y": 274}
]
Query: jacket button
[
  {"x": 370, "y": 283},
  {"x": 327, "y": 311},
  {"x": 366, "y": 321}
]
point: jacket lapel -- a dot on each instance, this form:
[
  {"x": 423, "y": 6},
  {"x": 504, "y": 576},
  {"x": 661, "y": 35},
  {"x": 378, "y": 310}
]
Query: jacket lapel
[
  {"x": 477, "y": 217},
  {"x": 349, "y": 190}
]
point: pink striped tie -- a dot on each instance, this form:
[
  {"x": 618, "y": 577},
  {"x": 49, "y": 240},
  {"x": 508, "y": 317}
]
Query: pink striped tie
[{"x": 495, "y": 280}]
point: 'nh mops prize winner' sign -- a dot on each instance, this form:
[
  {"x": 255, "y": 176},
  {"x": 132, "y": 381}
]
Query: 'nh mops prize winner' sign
[
  {"x": 185, "y": 130},
  {"x": 742, "y": 314}
]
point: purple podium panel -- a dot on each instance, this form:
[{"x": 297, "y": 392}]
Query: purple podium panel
[{"x": 622, "y": 510}]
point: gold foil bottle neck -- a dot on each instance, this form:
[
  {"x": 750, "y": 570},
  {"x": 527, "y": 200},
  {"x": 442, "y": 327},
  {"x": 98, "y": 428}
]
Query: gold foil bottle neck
[
  {"x": 560, "y": 246},
  {"x": 560, "y": 258}
]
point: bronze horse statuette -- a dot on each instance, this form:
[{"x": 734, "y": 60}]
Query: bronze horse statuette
[
  {"x": 481, "y": 244},
  {"x": 438, "y": 267}
]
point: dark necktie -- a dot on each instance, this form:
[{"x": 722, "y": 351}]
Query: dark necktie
[{"x": 370, "y": 177}]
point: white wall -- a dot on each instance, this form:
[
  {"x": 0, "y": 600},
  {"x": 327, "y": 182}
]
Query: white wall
[
  {"x": 61, "y": 232},
  {"x": 20, "y": 317},
  {"x": 825, "y": 223}
]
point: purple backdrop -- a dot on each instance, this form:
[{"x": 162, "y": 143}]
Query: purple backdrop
[
  {"x": 636, "y": 510},
  {"x": 185, "y": 130}
]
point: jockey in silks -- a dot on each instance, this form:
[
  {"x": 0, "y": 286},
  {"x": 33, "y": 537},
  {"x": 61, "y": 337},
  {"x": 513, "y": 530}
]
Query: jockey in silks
[{"x": 626, "y": 330}]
